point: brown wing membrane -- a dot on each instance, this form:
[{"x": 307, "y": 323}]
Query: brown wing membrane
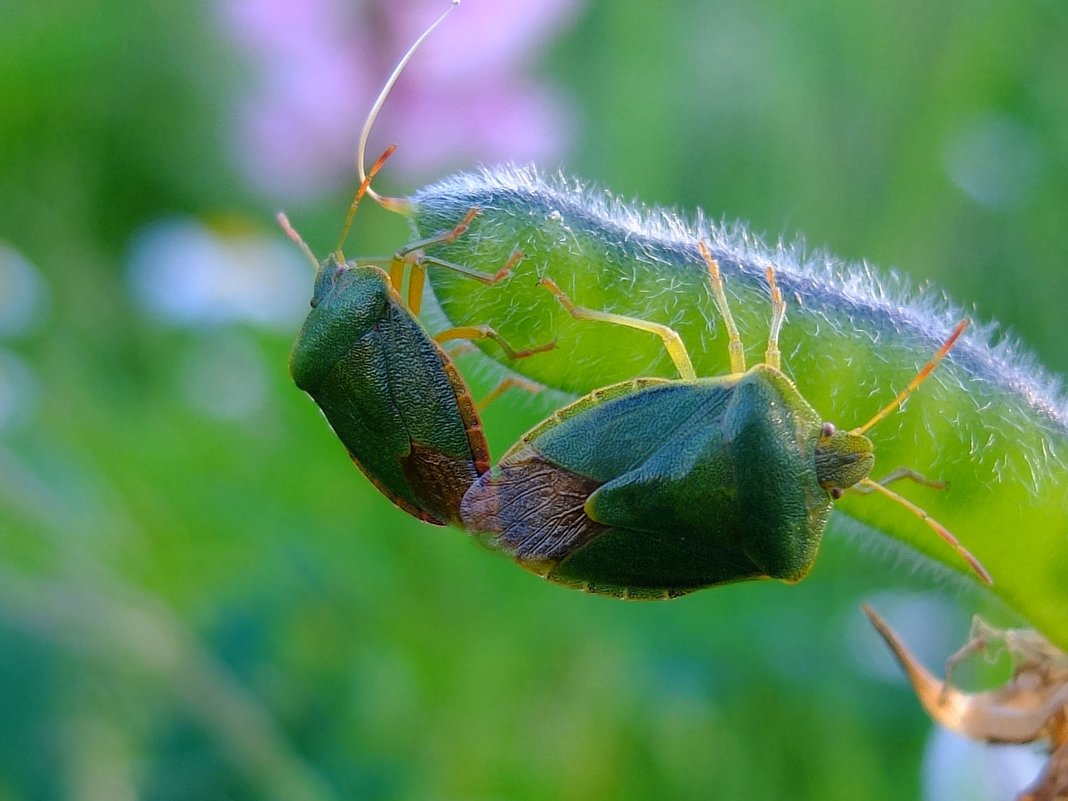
[
  {"x": 437, "y": 479},
  {"x": 534, "y": 507}
]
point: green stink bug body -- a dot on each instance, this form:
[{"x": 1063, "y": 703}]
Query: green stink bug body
[
  {"x": 649, "y": 488},
  {"x": 656, "y": 488},
  {"x": 391, "y": 394}
]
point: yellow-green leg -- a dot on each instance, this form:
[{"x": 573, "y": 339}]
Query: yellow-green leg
[
  {"x": 412, "y": 255},
  {"x": 734, "y": 340},
  {"x": 672, "y": 341},
  {"x": 470, "y": 332},
  {"x": 772, "y": 356},
  {"x": 900, "y": 473},
  {"x": 507, "y": 383}
]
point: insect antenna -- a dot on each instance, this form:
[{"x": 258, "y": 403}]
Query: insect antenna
[
  {"x": 920, "y": 376},
  {"x": 935, "y": 526},
  {"x": 361, "y": 190},
  {"x": 291, "y": 232},
  {"x": 398, "y": 204},
  {"x": 870, "y": 485}
]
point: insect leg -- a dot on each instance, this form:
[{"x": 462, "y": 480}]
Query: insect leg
[
  {"x": 772, "y": 357},
  {"x": 900, "y": 473},
  {"x": 461, "y": 349},
  {"x": 672, "y": 341},
  {"x": 419, "y": 261},
  {"x": 734, "y": 340},
  {"x": 510, "y": 382},
  {"x": 443, "y": 238},
  {"x": 485, "y": 278},
  {"x": 412, "y": 255},
  {"x": 486, "y": 332},
  {"x": 505, "y": 384}
]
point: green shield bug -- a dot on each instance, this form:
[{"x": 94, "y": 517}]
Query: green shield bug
[
  {"x": 656, "y": 487},
  {"x": 388, "y": 389},
  {"x": 650, "y": 487}
]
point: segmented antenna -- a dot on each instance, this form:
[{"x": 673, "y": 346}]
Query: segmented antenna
[
  {"x": 397, "y": 204},
  {"x": 935, "y": 526},
  {"x": 361, "y": 190},
  {"x": 920, "y": 376},
  {"x": 291, "y": 232}
]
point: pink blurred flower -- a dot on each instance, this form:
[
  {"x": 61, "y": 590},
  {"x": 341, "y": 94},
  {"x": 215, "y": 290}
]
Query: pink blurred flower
[{"x": 466, "y": 98}]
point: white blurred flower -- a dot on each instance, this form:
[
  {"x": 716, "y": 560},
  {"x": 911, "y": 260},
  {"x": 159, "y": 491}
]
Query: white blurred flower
[
  {"x": 186, "y": 274},
  {"x": 995, "y": 160},
  {"x": 23, "y": 306},
  {"x": 23, "y": 294},
  {"x": 225, "y": 376},
  {"x": 958, "y": 769}
]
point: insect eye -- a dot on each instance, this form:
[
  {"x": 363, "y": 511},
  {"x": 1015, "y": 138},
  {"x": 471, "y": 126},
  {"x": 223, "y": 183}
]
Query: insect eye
[
  {"x": 827, "y": 430},
  {"x": 836, "y": 493}
]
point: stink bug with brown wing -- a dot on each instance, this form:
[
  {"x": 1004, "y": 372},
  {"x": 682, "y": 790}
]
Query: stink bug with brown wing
[{"x": 657, "y": 487}]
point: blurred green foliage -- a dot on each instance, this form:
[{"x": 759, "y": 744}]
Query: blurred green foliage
[{"x": 196, "y": 607}]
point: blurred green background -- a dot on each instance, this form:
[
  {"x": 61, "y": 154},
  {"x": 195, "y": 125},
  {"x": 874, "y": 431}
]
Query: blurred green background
[{"x": 200, "y": 598}]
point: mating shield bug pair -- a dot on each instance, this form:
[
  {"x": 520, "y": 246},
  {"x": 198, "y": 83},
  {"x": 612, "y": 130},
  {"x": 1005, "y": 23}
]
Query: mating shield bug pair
[{"x": 649, "y": 488}]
